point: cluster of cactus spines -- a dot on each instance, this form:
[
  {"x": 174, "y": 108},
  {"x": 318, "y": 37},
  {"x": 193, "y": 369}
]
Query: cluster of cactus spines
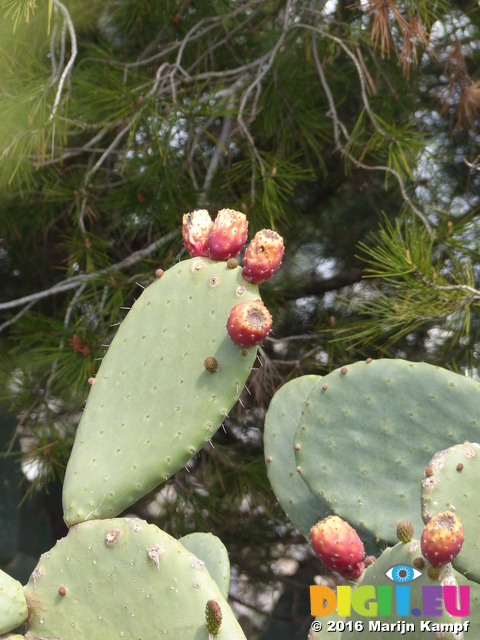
[
  {"x": 166, "y": 383},
  {"x": 442, "y": 538},
  {"x": 122, "y": 578},
  {"x": 338, "y": 546},
  {"x": 13, "y": 606}
]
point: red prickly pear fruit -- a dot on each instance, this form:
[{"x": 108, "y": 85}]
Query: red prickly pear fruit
[
  {"x": 213, "y": 617},
  {"x": 442, "y": 538},
  {"x": 249, "y": 323},
  {"x": 195, "y": 229},
  {"x": 263, "y": 256},
  {"x": 338, "y": 546},
  {"x": 227, "y": 235},
  {"x": 405, "y": 531}
]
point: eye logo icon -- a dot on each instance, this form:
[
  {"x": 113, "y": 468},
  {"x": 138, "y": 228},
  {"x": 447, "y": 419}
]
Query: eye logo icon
[{"x": 402, "y": 573}]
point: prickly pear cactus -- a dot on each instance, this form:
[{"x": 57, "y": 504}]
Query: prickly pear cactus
[
  {"x": 13, "y": 606},
  {"x": 214, "y": 554},
  {"x": 451, "y": 484},
  {"x": 155, "y": 402},
  {"x": 368, "y": 431},
  {"x": 122, "y": 578}
]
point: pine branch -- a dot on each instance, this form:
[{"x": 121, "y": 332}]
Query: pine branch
[
  {"x": 77, "y": 281},
  {"x": 338, "y": 125}
]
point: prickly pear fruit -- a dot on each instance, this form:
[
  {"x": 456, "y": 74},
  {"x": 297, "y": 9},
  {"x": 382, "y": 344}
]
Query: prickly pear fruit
[
  {"x": 442, "y": 538},
  {"x": 249, "y": 323},
  {"x": 227, "y": 235},
  {"x": 195, "y": 229},
  {"x": 405, "y": 531},
  {"x": 338, "y": 546},
  {"x": 263, "y": 256},
  {"x": 213, "y": 617}
]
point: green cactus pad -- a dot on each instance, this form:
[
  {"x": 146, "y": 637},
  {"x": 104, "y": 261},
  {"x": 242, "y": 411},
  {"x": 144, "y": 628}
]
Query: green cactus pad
[
  {"x": 122, "y": 578},
  {"x": 214, "y": 554},
  {"x": 368, "y": 431},
  {"x": 281, "y": 420},
  {"x": 449, "y": 488},
  {"x": 153, "y": 404},
  {"x": 13, "y": 606},
  {"x": 404, "y": 554}
]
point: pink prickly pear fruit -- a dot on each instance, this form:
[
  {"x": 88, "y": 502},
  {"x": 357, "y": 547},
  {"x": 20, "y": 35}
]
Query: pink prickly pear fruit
[
  {"x": 263, "y": 256},
  {"x": 249, "y": 323},
  {"x": 227, "y": 235},
  {"x": 195, "y": 229},
  {"x": 338, "y": 546},
  {"x": 442, "y": 538}
]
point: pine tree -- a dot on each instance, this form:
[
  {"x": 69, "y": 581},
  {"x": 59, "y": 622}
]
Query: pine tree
[{"x": 351, "y": 129}]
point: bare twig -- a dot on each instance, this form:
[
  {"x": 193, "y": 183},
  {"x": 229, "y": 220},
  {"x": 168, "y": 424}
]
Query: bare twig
[
  {"x": 337, "y": 125},
  {"x": 19, "y": 315},
  {"x": 217, "y": 153},
  {"x": 73, "y": 55},
  {"x": 78, "y": 281}
]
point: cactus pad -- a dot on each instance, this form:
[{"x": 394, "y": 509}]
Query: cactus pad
[
  {"x": 368, "y": 431},
  {"x": 153, "y": 404},
  {"x": 453, "y": 486},
  {"x": 13, "y": 606},
  {"x": 283, "y": 416},
  {"x": 214, "y": 554},
  {"x": 122, "y": 578}
]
